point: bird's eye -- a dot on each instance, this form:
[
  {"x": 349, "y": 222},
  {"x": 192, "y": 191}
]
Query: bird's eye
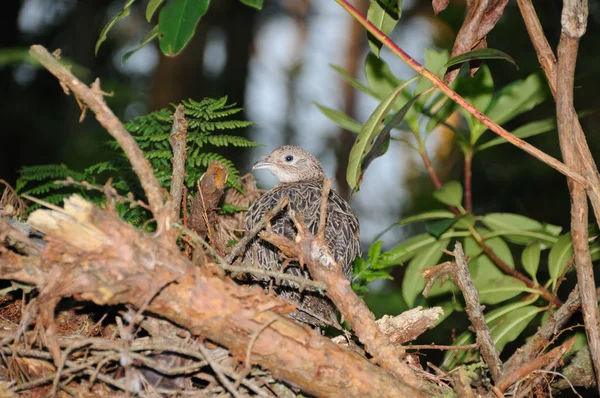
[{"x": 289, "y": 158}]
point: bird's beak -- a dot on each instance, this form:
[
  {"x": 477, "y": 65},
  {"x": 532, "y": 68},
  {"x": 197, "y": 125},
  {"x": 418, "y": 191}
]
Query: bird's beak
[{"x": 264, "y": 163}]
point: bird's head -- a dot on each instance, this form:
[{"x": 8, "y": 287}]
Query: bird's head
[{"x": 291, "y": 164}]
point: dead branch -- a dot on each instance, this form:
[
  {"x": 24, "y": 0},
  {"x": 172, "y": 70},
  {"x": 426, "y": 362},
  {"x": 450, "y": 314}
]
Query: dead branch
[
  {"x": 410, "y": 324},
  {"x": 93, "y": 98},
  {"x": 107, "y": 261},
  {"x": 243, "y": 243},
  {"x": 541, "y": 338},
  {"x": 314, "y": 253},
  {"x": 573, "y": 22},
  {"x": 550, "y": 358},
  {"x": 178, "y": 141},
  {"x": 459, "y": 273}
]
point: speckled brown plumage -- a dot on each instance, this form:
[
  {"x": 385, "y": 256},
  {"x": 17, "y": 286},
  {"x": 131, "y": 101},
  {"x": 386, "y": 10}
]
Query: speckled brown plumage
[{"x": 302, "y": 182}]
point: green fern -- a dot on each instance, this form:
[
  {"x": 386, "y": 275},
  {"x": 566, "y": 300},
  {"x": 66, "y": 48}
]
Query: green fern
[{"x": 210, "y": 125}]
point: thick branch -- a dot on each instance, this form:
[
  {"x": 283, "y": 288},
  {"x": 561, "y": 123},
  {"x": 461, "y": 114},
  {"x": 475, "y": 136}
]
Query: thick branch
[
  {"x": 574, "y": 12},
  {"x": 92, "y": 98},
  {"x": 107, "y": 261},
  {"x": 313, "y": 252}
]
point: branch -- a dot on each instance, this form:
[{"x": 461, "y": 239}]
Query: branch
[
  {"x": 178, "y": 141},
  {"x": 459, "y": 273},
  {"x": 548, "y": 61},
  {"x": 314, "y": 253},
  {"x": 420, "y": 69},
  {"x": 573, "y": 21},
  {"x": 93, "y": 98},
  {"x": 107, "y": 261}
]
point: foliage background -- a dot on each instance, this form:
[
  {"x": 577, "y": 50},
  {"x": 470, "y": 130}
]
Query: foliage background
[{"x": 275, "y": 64}]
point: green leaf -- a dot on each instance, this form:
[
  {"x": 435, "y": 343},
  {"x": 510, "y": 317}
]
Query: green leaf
[
  {"x": 518, "y": 98},
  {"x": 258, "y": 4},
  {"x": 366, "y": 138},
  {"x": 515, "y": 222},
  {"x": 450, "y": 194},
  {"x": 428, "y": 215},
  {"x": 122, "y": 14},
  {"x": 525, "y": 131},
  {"x": 151, "y": 8},
  {"x": 149, "y": 37},
  {"x": 340, "y": 118},
  {"x": 531, "y": 259},
  {"x": 501, "y": 250},
  {"x": 382, "y": 141},
  {"x": 413, "y": 282},
  {"x": 486, "y": 53},
  {"x": 510, "y": 325},
  {"x": 499, "y": 289},
  {"x": 354, "y": 82},
  {"x": 559, "y": 257},
  {"x": 437, "y": 228},
  {"x": 384, "y": 14},
  {"x": 379, "y": 77},
  {"x": 407, "y": 249},
  {"x": 177, "y": 22}
]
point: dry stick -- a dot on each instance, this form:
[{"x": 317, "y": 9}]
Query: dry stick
[
  {"x": 574, "y": 18},
  {"x": 92, "y": 97},
  {"x": 420, "y": 69},
  {"x": 551, "y": 357},
  {"x": 241, "y": 245},
  {"x": 178, "y": 141},
  {"x": 315, "y": 254},
  {"x": 302, "y": 281},
  {"x": 222, "y": 378},
  {"x": 548, "y": 61},
  {"x": 540, "y": 339},
  {"x": 475, "y": 313}
]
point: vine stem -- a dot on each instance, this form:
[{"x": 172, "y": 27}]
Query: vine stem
[{"x": 454, "y": 96}]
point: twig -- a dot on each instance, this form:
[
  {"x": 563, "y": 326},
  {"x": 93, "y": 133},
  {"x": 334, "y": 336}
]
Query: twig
[
  {"x": 549, "y": 160},
  {"x": 315, "y": 254},
  {"x": 224, "y": 380},
  {"x": 573, "y": 22},
  {"x": 539, "y": 340},
  {"x": 92, "y": 97},
  {"x": 323, "y": 212},
  {"x": 178, "y": 141},
  {"x": 548, "y": 61},
  {"x": 433, "y": 346},
  {"x": 278, "y": 275},
  {"x": 550, "y": 358},
  {"x": 459, "y": 273},
  {"x": 241, "y": 245}
]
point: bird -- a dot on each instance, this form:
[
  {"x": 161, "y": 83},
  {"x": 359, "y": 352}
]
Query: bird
[{"x": 301, "y": 179}]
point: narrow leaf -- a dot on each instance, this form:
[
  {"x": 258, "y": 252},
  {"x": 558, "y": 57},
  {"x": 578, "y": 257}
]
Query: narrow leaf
[
  {"x": 497, "y": 290},
  {"x": 428, "y": 215},
  {"x": 340, "y": 118},
  {"x": 407, "y": 249},
  {"x": 258, "y": 4},
  {"x": 122, "y": 14},
  {"x": 531, "y": 259},
  {"x": 151, "y": 8},
  {"x": 486, "y": 53},
  {"x": 365, "y": 140},
  {"x": 353, "y": 82},
  {"x": 509, "y": 326},
  {"x": 437, "y": 228},
  {"x": 518, "y": 98},
  {"x": 177, "y": 22},
  {"x": 559, "y": 257},
  {"x": 384, "y": 14},
  {"x": 413, "y": 282},
  {"x": 149, "y": 37},
  {"x": 450, "y": 194},
  {"x": 379, "y": 77}
]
